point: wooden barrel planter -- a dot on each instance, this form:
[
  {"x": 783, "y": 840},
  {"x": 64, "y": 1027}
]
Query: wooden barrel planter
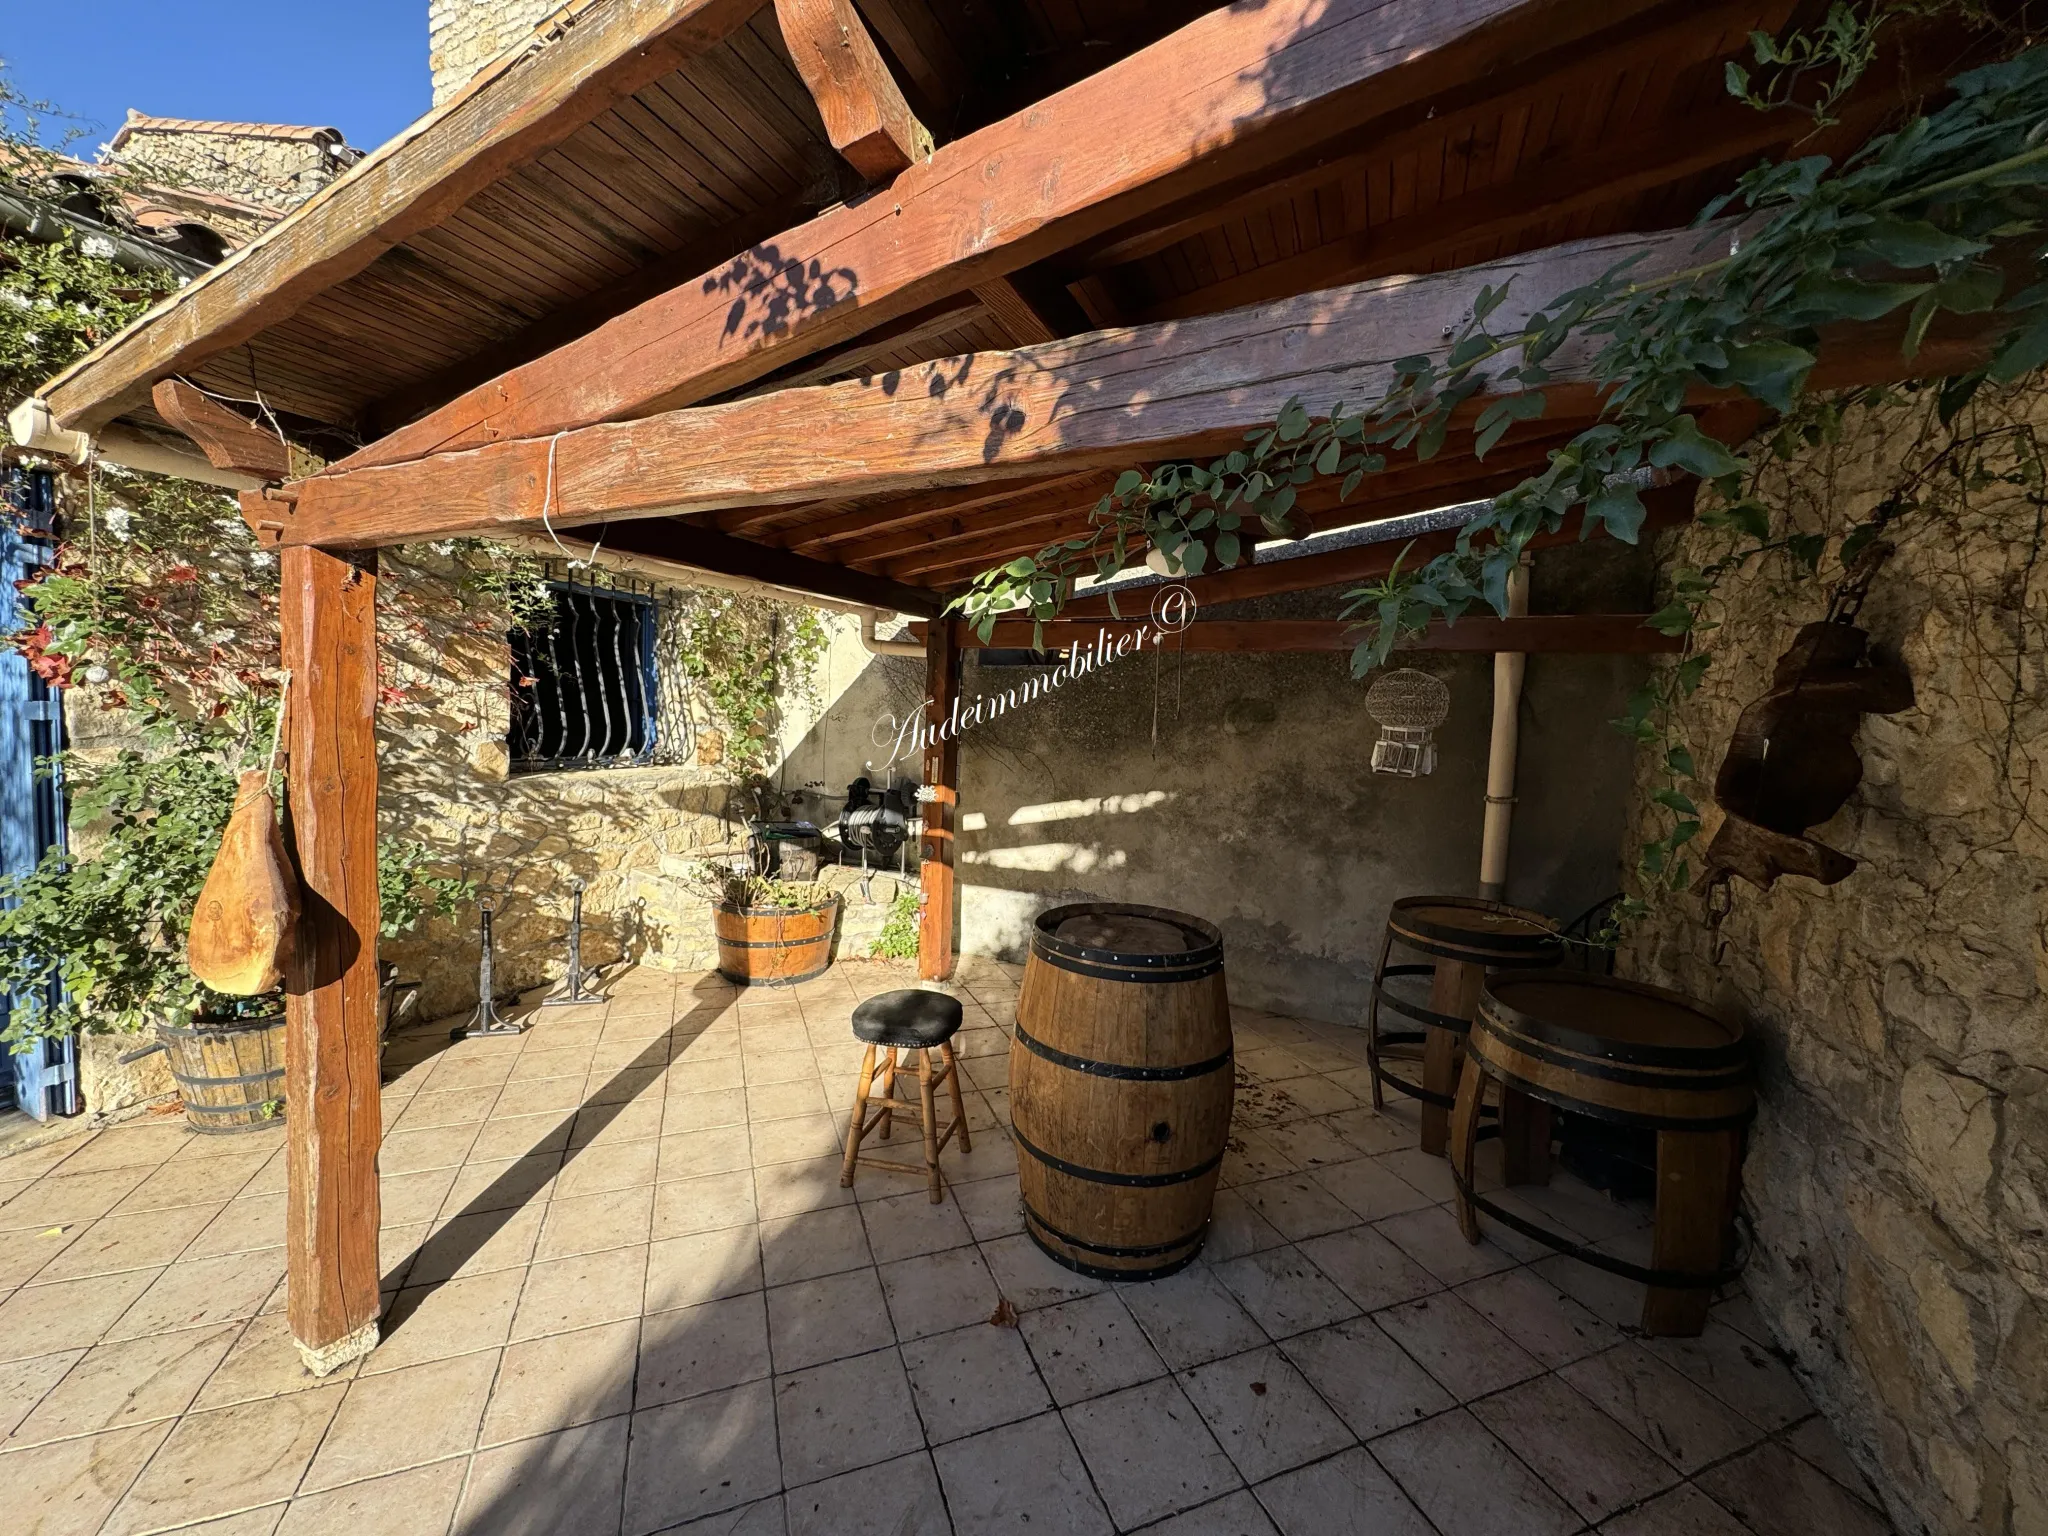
[
  {"x": 1633, "y": 1055},
  {"x": 773, "y": 946},
  {"x": 1120, "y": 1087},
  {"x": 230, "y": 1072}
]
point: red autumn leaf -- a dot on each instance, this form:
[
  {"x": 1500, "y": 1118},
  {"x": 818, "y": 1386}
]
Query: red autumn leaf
[{"x": 179, "y": 575}]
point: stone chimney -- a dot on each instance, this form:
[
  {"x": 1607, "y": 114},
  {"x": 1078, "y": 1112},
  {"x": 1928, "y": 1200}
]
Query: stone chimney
[{"x": 465, "y": 35}]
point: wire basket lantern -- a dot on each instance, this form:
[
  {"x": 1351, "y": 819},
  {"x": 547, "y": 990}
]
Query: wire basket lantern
[{"x": 1409, "y": 705}]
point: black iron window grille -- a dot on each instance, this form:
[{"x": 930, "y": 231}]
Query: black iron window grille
[{"x": 585, "y": 693}]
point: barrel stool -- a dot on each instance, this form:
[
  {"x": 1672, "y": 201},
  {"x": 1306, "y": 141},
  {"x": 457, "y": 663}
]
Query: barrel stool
[
  {"x": 1634, "y": 1055},
  {"x": 1464, "y": 939},
  {"x": 1121, "y": 1085},
  {"x": 915, "y": 1021}
]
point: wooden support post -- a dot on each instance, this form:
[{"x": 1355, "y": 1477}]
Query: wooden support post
[
  {"x": 334, "y": 1112},
  {"x": 942, "y": 810},
  {"x": 1454, "y": 991},
  {"x": 863, "y": 109},
  {"x": 1699, "y": 1182}
]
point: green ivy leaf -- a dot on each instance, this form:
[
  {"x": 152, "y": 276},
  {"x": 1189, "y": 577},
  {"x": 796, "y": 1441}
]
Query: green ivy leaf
[{"x": 1687, "y": 448}]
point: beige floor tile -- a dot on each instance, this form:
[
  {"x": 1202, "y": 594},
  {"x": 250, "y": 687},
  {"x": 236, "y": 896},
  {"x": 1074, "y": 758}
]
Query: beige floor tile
[
  {"x": 1149, "y": 1452},
  {"x": 972, "y": 1379},
  {"x": 1284, "y": 1292},
  {"x": 198, "y": 1291},
  {"x": 565, "y": 1484},
  {"x": 1587, "y": 1459},
  {"x": 1088, "y": 1347},
  {"x": 1366, "y": 1377},
  {"x": 937, "y": 1292},
  {"x": 609, "y": 1124},
  {"x": 810, "y": 1184},
  {"x": 1028, "y": 1279},
  {"x": 1464, "y": 1479},
  {"x": 24, "y": 1254},
  {"x": 1311, "y": 1143},
  {"x": 788, "y": 1100},
  {"x": 566, "y": 1294},
  {"x": 250, "y": 1522},
  {"x": 1235, "y": 1229},
  {"x": 700, "y": 1456},
  {"x": 67, "y": 1487},
  {"x": 1235, "y": 1514},
  {"x": 243, "y": 1226},
  {"x": 694, "y": 1350},
  {"x": 1370, "y": 1188},
  {"x": 228, "y": 1459},
  {"x": 813, "y": 1321},
  {"x": 540, "y": 1095},
  {"x": 690, "y": 1108},
  {"x": 1298, "y": 1207},
  {"x": 843, "y": 1415},
  {"x": 684, "y": 1206},
  {"x": 404, "y": 1418},
  {"x": 1775, "y": 1493},
  {"x": 1348, "y": 1495},
  {"x": 1431, "y": 1238},
  {"x": 709, "y": 1065},
  {"x": 1190, "y": 1318},
  {"x": 60, "y": 1199},
  {"x": 145, "y": 1240},
  {"x": 135, "y": 1144},
  {"x": 624, "y": 1084},
  {"x": 455, "y": 1317},
  {"x": 69, "y": 1314},
  {"x": 1816, "y": 1443},
  {"x": 620, "y": 1218},
  {"x": 704, "y": 1266},
  {"x": 34, "y": 1162},
  {"x": 264, "y": 1362},
  {"x": 454, "y": 1071},
  {"x": 554, "y": 1061},
  {"x": 992, "y": 1208},
  {"x": 410, "y": 1151},
  {"x": 24, "y": 1384},
  {"x": 475, "y": 1244},
  {"x": 1264, "y": 1414},
  {"x": 1539, "y": 1317},
  {"x": 595, "y": 1170},
  {"x": 502, "y": 1185},
  {"x": 429, "y": 1108},
  {"x": 1742, "y": 1374},
  {"x": 895, "y": 1498},
  {"x": 1250, "y": 1156},
  {"x": 520, "y": 1136},
  {"x": 1684, "y": 1511},
  {"x": 132, "y": 1382},
  {"x": 1456, "y": 1345},
  {"x": 813, "y": 1244},
  {"x": 1678, "y": 1420},
  {"x": 1377, "y": 1131},
  {"x": 807, "y": 1136},
  {"x": 1369, "y": 1269},
  {"x": 561, "y": 1381},
  {"x": 901, "y": 1226},
  {"x": 406, "y": 1199},
  {"x": 414, "y": 1503},
  {"x": 694, "y": 1154}
]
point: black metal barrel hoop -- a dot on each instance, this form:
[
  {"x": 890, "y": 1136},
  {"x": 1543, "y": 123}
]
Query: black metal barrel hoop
[{"x": 1456, "y": 928}]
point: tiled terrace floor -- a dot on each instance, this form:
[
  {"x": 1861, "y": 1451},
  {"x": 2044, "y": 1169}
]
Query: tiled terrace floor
[{"x": 627, "y": 1295}]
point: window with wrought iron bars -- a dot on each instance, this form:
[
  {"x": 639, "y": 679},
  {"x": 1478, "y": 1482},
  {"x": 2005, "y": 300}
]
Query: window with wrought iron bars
[{"x": 586, "y": 691}]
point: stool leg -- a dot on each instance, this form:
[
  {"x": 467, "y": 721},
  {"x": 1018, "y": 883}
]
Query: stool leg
[
  {"x": 1372, "y": 1024},
  {"x": 1524, "y": 1138},
  {"x": 1464, "y": 1140},
  {"x": 931, "y": 1122},
  {"x": 1698, "y": 1182},
  {"x": 959, "y": 1104},
  {"x": 888, "y": 1093},
  {"x": 862, "y": 1084},
  {"x": 1453, "y": 991}
]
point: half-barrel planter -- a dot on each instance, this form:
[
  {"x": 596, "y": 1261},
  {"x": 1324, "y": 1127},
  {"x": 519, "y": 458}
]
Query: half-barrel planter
[
  {"x": 774, "y": 946},
  {"x": 1120, "y": 1087}
]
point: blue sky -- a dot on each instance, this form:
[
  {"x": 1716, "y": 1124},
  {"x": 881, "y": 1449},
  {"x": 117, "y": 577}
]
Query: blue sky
[{"x": 356, "y": 65}]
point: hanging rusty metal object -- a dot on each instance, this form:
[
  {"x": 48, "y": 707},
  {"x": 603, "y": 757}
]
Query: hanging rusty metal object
[{"x": 1792, "y": 762}]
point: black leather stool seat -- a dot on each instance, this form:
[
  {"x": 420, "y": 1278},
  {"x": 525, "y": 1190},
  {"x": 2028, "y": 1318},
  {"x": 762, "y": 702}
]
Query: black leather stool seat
[{"x": 912, "y": 1017}]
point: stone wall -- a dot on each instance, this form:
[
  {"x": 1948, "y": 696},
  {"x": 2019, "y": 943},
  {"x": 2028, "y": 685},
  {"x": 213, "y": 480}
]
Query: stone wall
[
  {"x": 465, "y": 35},
  {"x": 272, "y": 168},
  {"x": 1897, "y": 1177}
]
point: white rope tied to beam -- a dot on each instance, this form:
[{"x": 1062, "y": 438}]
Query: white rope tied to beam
[{"x": 547, "y": 499}]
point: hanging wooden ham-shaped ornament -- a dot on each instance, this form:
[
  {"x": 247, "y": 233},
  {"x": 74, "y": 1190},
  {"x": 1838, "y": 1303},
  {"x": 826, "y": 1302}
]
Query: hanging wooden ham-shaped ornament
[{"x": 250, "y": 900}]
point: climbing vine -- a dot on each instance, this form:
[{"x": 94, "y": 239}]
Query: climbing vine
[
  {"x": 1930, "y": 219},
  {"x": 749, "y": 657}
]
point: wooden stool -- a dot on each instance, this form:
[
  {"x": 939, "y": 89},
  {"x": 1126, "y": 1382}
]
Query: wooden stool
[
  {"x": 920, "y": 1022},
  {"x": 1464, "y": 938},
  {"x": 1636, "y": 1055}
]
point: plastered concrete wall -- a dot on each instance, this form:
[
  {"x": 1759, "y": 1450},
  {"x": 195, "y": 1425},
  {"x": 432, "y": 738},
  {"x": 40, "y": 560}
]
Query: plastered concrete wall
[
  {"x": 1257, "y": 808},
  {"x": 1898, "y": 1172},
  {"x": 465, "y": 35}
]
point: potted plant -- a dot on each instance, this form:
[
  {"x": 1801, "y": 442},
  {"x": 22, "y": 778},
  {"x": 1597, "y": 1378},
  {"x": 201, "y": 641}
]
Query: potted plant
[{"x": 771, "y": 933}]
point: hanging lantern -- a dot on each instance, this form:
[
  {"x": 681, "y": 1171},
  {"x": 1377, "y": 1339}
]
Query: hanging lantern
[{"x": 1409, "y": 706}]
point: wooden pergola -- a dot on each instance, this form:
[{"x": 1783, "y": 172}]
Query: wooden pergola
[{"x": 859, "y": 301}]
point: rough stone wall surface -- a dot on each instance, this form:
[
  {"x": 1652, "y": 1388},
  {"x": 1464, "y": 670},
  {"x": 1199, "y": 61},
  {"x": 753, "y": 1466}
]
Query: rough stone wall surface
[
  {"x": 465, "y": 35},
  {"x": 1897, "y": 1176},
  {"x": 273, "y": 173}
]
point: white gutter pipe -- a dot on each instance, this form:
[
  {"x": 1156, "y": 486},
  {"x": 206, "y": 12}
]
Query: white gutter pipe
[
  {"x": 32, "y": 426},
  {"x": 877, "y": 647},
  {"x": 1508, "y": 668}
]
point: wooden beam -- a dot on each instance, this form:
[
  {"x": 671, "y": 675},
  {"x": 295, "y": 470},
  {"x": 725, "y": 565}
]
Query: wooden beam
[
  {"x": 514, "y": 111},
  {"x": 939, "y": 847},
  {"x": 865, "y": 115},
  {"x": 821, "y": 536},
  {"x": 708, "y": 550},
  {"x": 1556, "y": 634},
  {"x": 333, "y": 1108},
  {"x": 868, "y": 354},
  {"x": 228, "y": 439},
  {"x": 1031, "y": 309},
  {"x": 1243, "y": 86}
]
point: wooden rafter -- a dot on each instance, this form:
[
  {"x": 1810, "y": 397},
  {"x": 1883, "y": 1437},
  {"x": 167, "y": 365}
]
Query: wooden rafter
[
  {"x": 1240, "y": 88},
  {"x": 690, "y": 544},
  {"x": 864, "y": 112},
  {"x": 229, "y": 440},
  {"x": 1583, "y": 634}
]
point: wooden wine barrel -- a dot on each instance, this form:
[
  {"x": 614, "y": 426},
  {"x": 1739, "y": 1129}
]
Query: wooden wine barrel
[
  {"x": 1621, "y": 1051},
  {"x": 1120, "y": 1087},
  {"x": 1476, "y": 932},
  {"x": 771, "y": 947},
  {"x": 230, "y": 1074}
]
